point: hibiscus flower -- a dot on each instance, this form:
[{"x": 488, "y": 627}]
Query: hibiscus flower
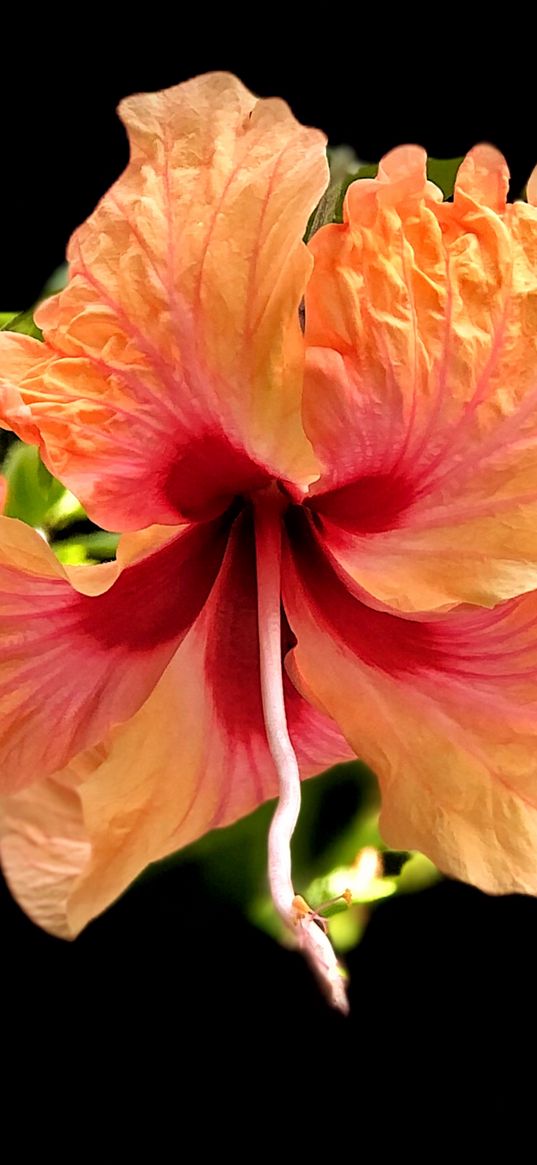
[{"x": 329, "y": 537}]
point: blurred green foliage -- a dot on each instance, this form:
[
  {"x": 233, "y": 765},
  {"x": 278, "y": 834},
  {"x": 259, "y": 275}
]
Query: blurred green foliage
[
  {"x": 37, "y": 498},
  {"x": 443, "y": 172},
  {"x": 22, "y": 321},
  {"x": 32, "y": 491},
  {"x": 336, "y": 847}
]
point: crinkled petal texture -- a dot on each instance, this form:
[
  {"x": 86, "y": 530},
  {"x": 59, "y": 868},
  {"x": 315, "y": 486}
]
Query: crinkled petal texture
[
  {"x": 421, "y": 385},
  {"x": 194, "y": 756},
  {"x": 79, "y": 654},
  {"x": 443, "y": 708},
  {"x": 171, "y": 375}
]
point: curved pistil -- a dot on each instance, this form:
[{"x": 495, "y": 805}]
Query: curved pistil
[{"x": 311, "y": 938}]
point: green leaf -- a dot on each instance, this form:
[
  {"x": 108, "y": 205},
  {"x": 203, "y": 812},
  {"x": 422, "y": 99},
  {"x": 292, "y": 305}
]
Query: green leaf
[
  {"x": 22, "y": 321},
  {"x": 44, "y": 477},
  {"x": 417, "y": 873},
  {"x": 6, "y": 317},
  {"x": 366, "y": 170},
  {"x": 65, "y": 512},
  {"x": 100, "y": 546},
  {"x": 325, "y": 212},
  {"x": 31, "y": 488},
  {"x": 345, "y": 168},
  {"x": 72, "y": 553},
  {"x": 443, "y": 172}
]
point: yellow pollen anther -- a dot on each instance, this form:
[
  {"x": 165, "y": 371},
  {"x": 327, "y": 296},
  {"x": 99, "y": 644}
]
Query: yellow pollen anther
[{"x": 300, "y": 909}]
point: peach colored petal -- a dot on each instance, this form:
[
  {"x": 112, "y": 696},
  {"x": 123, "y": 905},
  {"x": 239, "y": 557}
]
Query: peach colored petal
[
  {"x": 483, "y": 177},
  {"x": 192, "y": 758},
  {"x": 171, "y": 375},
  {"x": 81, "y": 650},
  {"x": 531, "y": 188},
  {"x": 421, "y": 385},
  {"x": 43, "y": 849},
  {"x": 444, "y": 710}
]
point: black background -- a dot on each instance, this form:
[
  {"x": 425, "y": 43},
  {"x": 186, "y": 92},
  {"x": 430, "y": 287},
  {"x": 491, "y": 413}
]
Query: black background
[{"x": 169, "y": 991}]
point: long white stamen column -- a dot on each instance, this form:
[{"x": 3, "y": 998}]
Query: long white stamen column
[
  {"x": 268, "y": 553},
  {"x": 310, "y": 937}
]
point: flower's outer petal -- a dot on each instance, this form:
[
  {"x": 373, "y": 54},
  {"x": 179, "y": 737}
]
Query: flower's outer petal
[
  {"x": 43, "y": 848},
  {"x": 193, "y": 757},
  {"x": 74, "y": 662},
  {"x": 483, "y": 179},
  {"x": 421, "y": 385},
  {"x": 531, "y": 188},
  {"x": 171, "y": 374},
  {"x": 444, "y": 711}
]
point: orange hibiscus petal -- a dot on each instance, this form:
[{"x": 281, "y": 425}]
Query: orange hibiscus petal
[
  {"x": 531, "y": 188},
  {"x": 194, "y": 757},
  {"x": 73, "y": 662},
  {"x": 421, "y": 385},
  {"x": 171, "y": 374},
  {"x": 444, "y": 710}
]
